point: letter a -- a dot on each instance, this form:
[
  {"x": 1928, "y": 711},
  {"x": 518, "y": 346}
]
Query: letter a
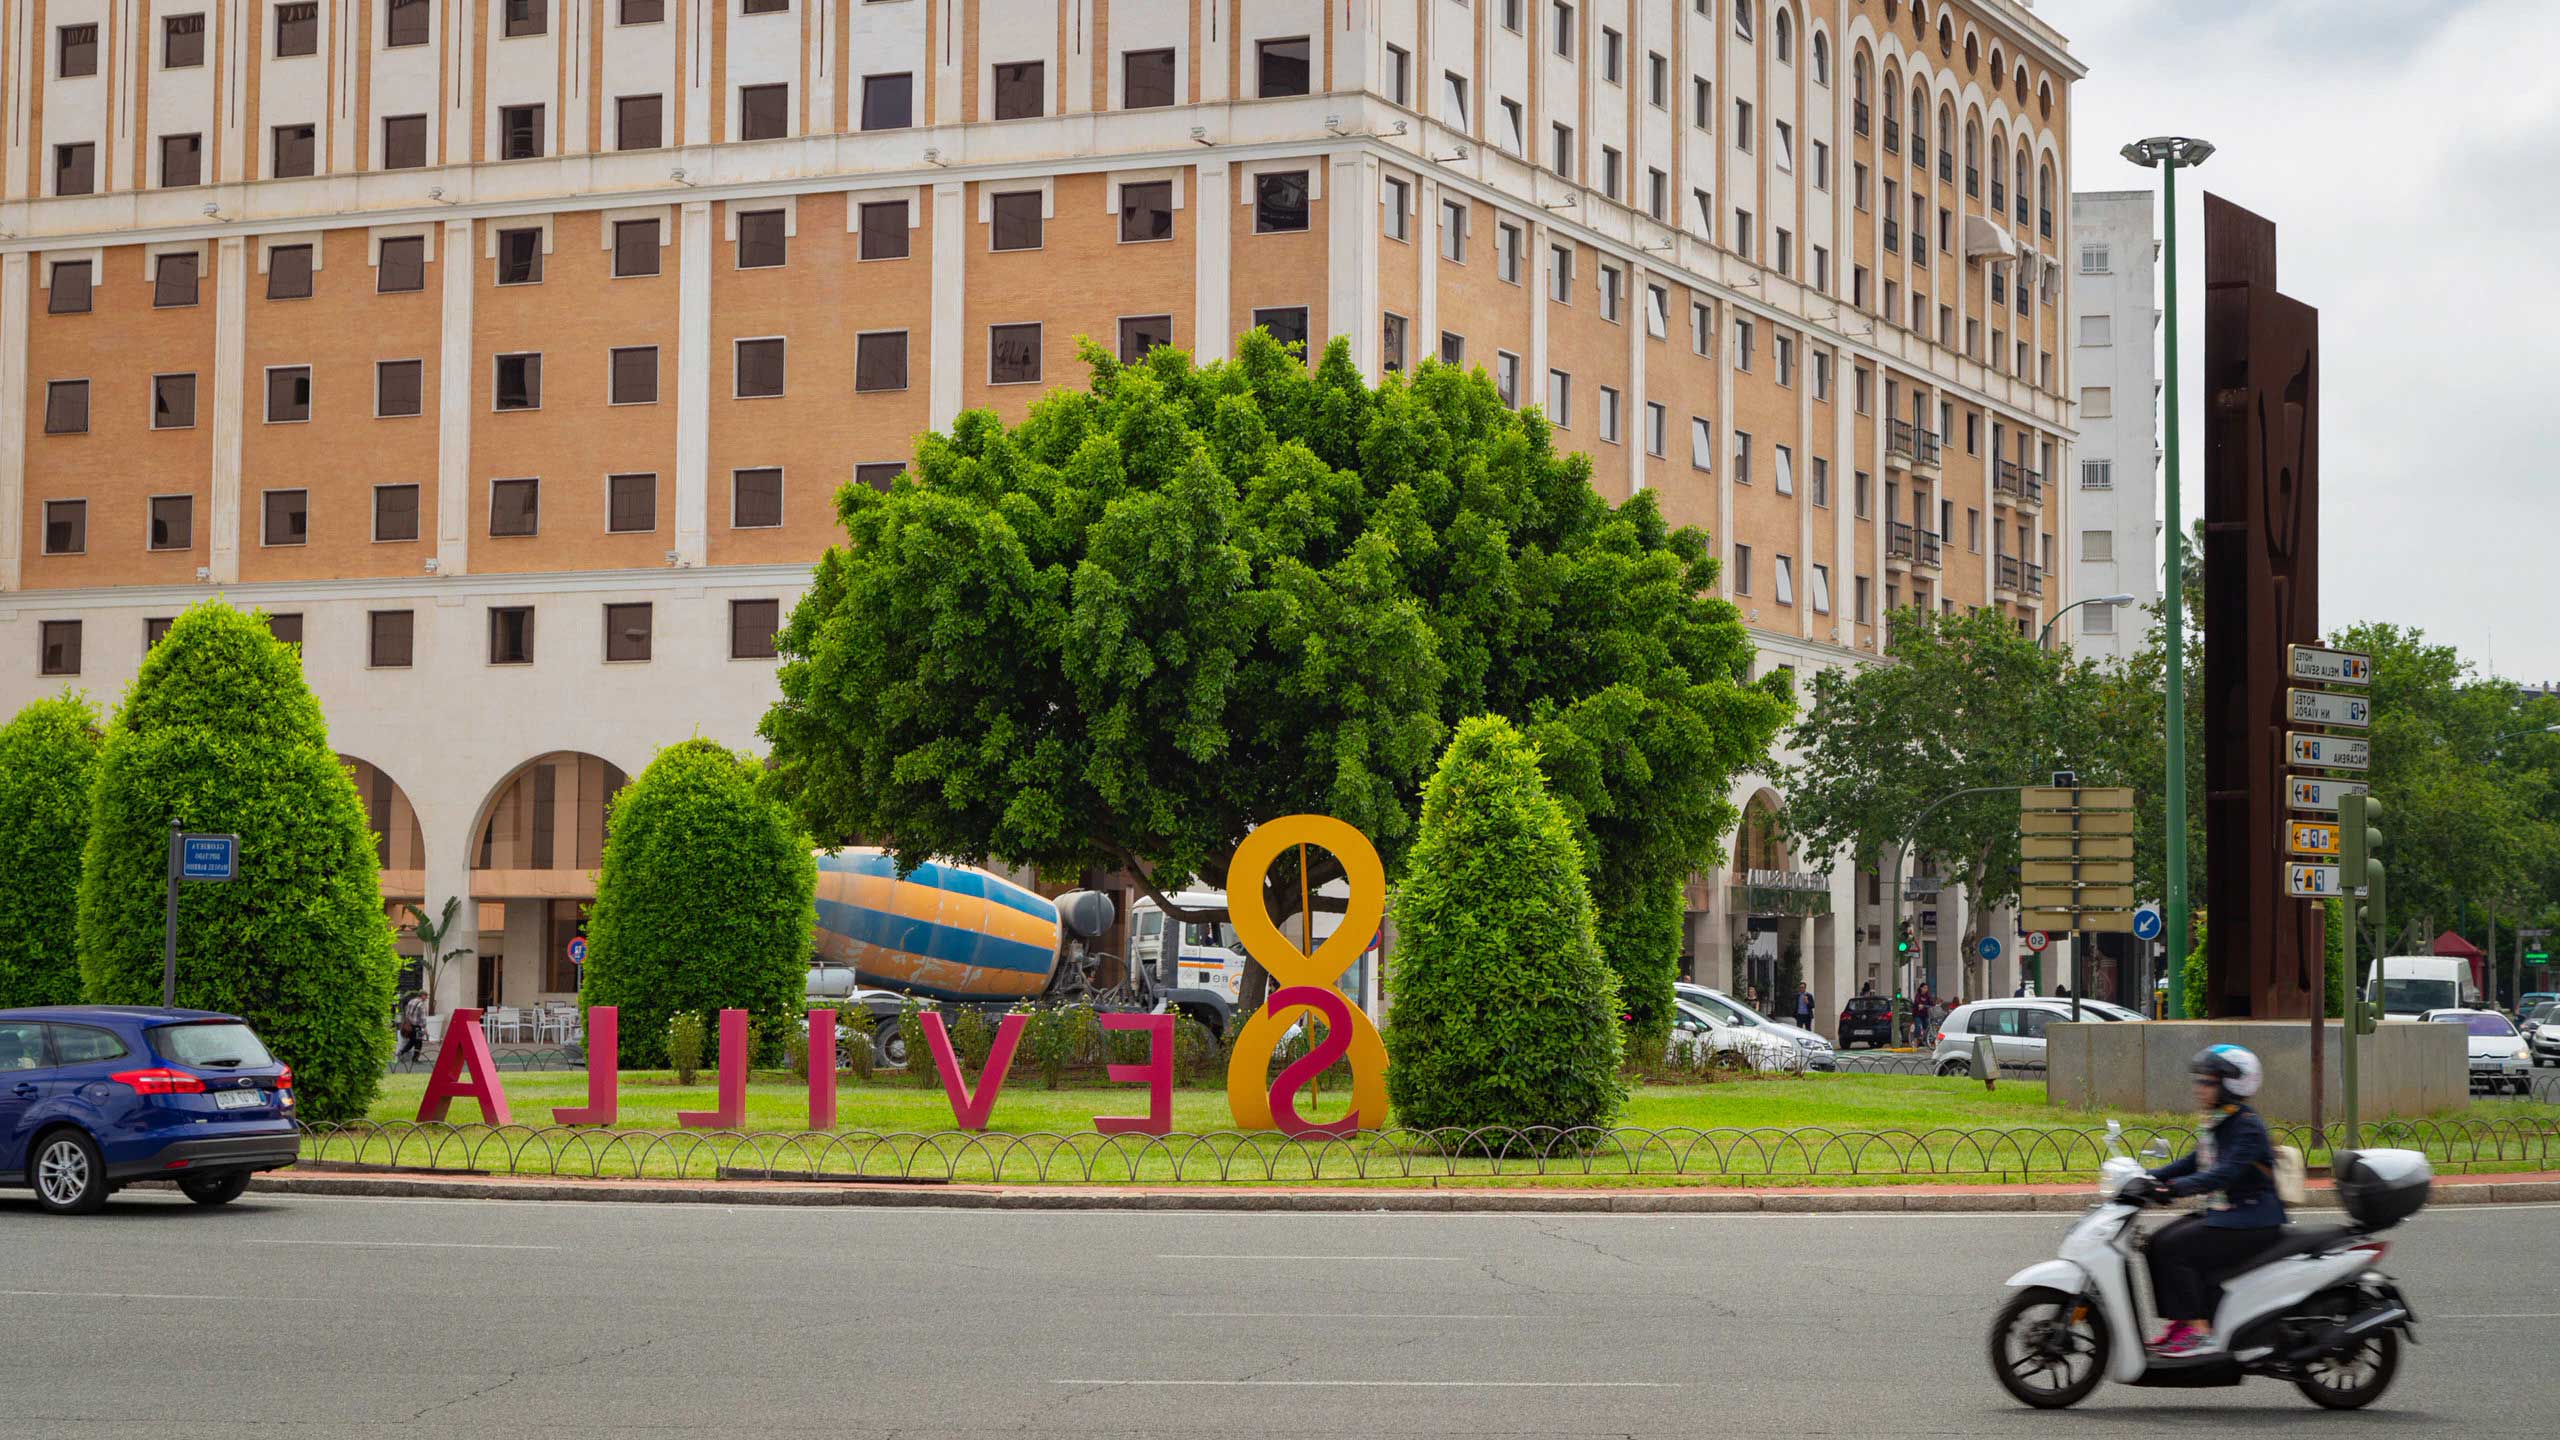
[{"x": 464, "y": 1071}]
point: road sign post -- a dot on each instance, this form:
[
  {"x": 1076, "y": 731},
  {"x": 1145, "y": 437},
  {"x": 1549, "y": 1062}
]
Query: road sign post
[
  {"x": 2075, "y": 876},
  {"x": 191, "y": 857}
]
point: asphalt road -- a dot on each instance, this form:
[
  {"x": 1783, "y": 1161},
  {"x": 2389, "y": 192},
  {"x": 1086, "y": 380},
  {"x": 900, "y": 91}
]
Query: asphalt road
[{"x": 444, "y": 1318}]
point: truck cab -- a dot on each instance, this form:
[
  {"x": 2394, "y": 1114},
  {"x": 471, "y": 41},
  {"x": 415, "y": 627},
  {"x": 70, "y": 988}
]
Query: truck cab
[
  {"x": 1187, "y": 954},
  {"x": 2408, "y": 986}
]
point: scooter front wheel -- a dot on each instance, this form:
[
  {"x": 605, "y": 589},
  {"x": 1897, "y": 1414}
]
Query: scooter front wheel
[{"x": 2048, "y": 1349}]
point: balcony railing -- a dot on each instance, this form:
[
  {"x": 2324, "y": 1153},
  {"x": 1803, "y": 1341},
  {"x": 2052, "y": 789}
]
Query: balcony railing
[
  {"x": 1946, "y": 165},
  {"x": 2017, "y": 483},
  {"x": 1860, "y": 118},
  {"x": 1893, "y": 139},
  {"x": 2044, "y": 223},
  {"x": 1973, "y": 181},
  {"x": 2035, "y": 580},
  {"x": 2009, "y": 573},
  {"x": 1901, "y": 437},
  {"x": 1999, "y": 196},
  {"x": 2022, "y": 207},
  {"x": 1910, "y": 543}
]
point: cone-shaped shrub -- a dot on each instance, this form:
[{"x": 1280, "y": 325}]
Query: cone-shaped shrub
[
  {"x": 219, "y": 733},
  {"x": 1503, "y": 1012},
  {"x": 706, "y": 900},
  {"x": 48, "y": 755}
]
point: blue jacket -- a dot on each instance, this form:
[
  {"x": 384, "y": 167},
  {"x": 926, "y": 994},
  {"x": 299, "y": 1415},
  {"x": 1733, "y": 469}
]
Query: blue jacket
[{"x": 2242, "y": 1169}]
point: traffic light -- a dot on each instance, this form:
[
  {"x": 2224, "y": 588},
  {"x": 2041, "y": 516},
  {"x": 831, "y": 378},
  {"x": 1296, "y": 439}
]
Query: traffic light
[
  {"x": 2359, "y": 839},
  {"x": 1902, "y": 937}
]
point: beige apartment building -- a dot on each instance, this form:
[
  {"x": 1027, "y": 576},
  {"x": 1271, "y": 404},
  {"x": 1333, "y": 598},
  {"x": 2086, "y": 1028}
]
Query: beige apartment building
[{"x": 509, "y": 354}]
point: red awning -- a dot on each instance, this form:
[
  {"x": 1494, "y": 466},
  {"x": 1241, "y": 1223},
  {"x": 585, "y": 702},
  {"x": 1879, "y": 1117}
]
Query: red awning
[{"x": 2449, "y": 943}]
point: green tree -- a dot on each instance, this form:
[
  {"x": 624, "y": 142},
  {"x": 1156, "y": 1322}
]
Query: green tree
[
  {"x": 1187, "y": 599},
  {"x": 48, "y": 755},
  {"x": 219, "y": 733},
  {"x": 1505, "y": 1014},
  {"x": 706, "y": 899}
]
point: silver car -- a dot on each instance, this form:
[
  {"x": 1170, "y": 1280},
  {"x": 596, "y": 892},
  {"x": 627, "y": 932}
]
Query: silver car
[
  {"x": 2016, "y": 1029},
  {"x": 1818, "y": 1054}
]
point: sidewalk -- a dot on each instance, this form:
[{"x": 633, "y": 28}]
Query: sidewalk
[{"x": 2541, "y": 1187}]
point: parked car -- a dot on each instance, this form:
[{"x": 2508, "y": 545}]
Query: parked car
[
  {"x": 2016, "y": 1028},
  {"x": 2499, "y": 1059},
  {"x": 1695, "y": 1031},
  {"x": 1866, "y": 1020},
  {"x": 1818, "y": 1053},
  {"x": 2533, "y": 1000},
  {"x": 2541, "y": 1030},
  {"x": 95, "y": 1097}
]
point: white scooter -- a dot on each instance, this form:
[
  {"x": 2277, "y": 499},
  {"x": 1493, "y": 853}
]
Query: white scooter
[{"x": 2314, "y": 1310}]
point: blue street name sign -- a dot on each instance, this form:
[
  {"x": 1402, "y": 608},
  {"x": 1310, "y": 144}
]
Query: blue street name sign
[{"x": 208, "y": 857}]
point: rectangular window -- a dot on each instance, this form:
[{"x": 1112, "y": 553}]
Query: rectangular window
[
  {"x": 755, "y": 499},
  {"x": 1560, "y": 274},
  {"x": 1142, "y": 333},
  {"x": 155, "y": 628},
  {"x": 296, "y": 151},
  {"x": 1783, "y": 580},
  {"x": 1862, "y": 488},
  {"x": 1563, "y": 28},
  {"x": 66, "y": 527},
  {"x": 1786, "y": 251},
  {"x": 888, "y": 102},
  {"x": 1657, "y": 428},
  {"x": 1511, "y": 250},
  {"x": 1453, "y": 348},
  {"x": 285, "y": 517},
  {"x": 1146, "y": 79},
  {"x": 1786, "y": 459},
  {"x": 1783, "y": 347},
  {"x": 1702, "y": 328},
  {"x": 181, "y": 160},
  {"x": 408, "y": 23},
  {"x": 1973, "y": 530},
  {"x": 752, "y": 626},
  {"x": 1560, "y": 399},
  {"x": 1613, "y": 285},
  {"x": 1822, "y": 375},
  {"x": 2097, "y": 330},
  {"x": 173, "y": 402},
  {"x": 1657, "y": 311},
  {"x": 520, "y": 131},
  {"x": 2097, "y": 402},
  {"x": 1741, "y": 457},
  {"x": 1786, "y": 135},
  {"x": 632, "y": 376},
  {"x": 1741, "y": 569},
  {"x": 1453, "y": 231},
  {"x": 75, "y": 169},
  {"x": 1657, "y": 194},
  {"x": 288, "y": 273},
  {"x": 1744, "y": 332},
  {"x": 1611, "y": 163},
  {"x": 1613, "y": 48},
  {"x": 879, "y": 475},
  {"x": 1742, "y": 126},
  {"x": 59, "y": 642},
  {"x": 79, "y": 48},
  {"x": 297, "y": 30},
  {"x": 639, "y": 122},
  {"x": 403, "y": 266},
  {"x": 1453, "y": 99},
  {"x": 519, "y": 382},
  {"x": 763, "y": 241},
  {"x": 1506, "y": 377},
  {"x": 2097, "y": 545},
  {"x": 1821, "y": 166},
  {"x": 1021, "y": 90},
  {"x": 174, "y": 280},
  {"x": 515, "y": 507},
  {"x": 1287, "y": 323},
  {"x": 288, "y": 394},
  {"x": 182, "y": 41},
  {"x": 2093, "y": 259},
  {"x": 390, "y": 639},
  {"x": 1280, "y": 67},
  {"x": 884, "y": 230},
  {"x": 1702, "y": 102},
  {"x": 2097, "y": 475},
  {"x": 1279, "y": 201},
  {"x": 519, "y": 257},
  {"x": 404, "y": 142},
  {"x": 1014, "y": 221},
  {"x": 880, "y": 361},
  {"x": 1395, "y": 199},
  {"x": 761, "y": 365},
  {"x": 1146, "y": 211},
  {"x": 1561, "y": 150},
  {"x": 1392, "y": 343},
  {"x": 510, "y": 634},
  {"x": 528, "y": 17},
  {"x": 67, "y": 288},
  {"x": 1013, "y": 354},
  {"x": 1702, "y": 442},
  {"x": 395, "y": 512},
  {"x": 630, "y": 504},
  {"x": 1818, "y": 579},
  {"x": 627, "y": 632},
  {"x": 173, "y": 522},
  {"x": 635, "y": 248},
  {"x": 1515, "y": 128},
  {"x": 1657, "y": 80},
  {"x": 1821, "y": 482},
  {"x": 1609, "y": 407}
]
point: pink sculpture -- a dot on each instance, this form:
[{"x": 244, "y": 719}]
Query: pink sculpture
[
  {"x": 464, "y": 1071},
  {"x": 1156, "y": 1074},
  {"x": 604, "y": 1072},
  {"x": 822, "y": 1069},
  {"x": 733, "y": 1079},
  {"x": 1335, "y": 1045},
  {"x": 970, "y": 1108}
]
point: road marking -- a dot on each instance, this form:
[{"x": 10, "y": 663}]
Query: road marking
[
  {"x": 1326, "y": 1315},
  {"x": 118, "y": 1295},
  {"x": 403, "y": 1244},
  {"x": 1347, "y": 1259},
  {"x": 1408, "y": 1384},
  {"x": 2546, "y": 1315}
]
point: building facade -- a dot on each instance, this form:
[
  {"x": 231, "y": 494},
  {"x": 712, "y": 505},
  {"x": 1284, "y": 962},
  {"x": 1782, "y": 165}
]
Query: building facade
[
  {"x": 2115, "y": 321},
  {"x": 508, "y": 355}
]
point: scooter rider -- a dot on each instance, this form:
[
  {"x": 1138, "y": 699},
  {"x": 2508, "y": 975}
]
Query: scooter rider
[{"x": 2234, "y": 1161}]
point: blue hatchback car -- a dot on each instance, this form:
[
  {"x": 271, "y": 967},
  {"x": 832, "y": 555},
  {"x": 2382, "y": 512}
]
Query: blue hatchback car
[{"x": 94, "y": 1097}]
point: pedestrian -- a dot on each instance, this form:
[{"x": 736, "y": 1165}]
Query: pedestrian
[
  {"x": 1804, "y": 1007},
  {"x": 1751, "y": 996},
  {"x": 413, "y": 1026}
]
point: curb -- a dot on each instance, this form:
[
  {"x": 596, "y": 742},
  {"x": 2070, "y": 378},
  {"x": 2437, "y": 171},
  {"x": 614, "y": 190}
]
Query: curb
[{"x": 2541, "y": 1189}]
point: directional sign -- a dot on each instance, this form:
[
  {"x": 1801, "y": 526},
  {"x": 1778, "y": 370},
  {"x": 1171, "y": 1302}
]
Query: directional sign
[
  {"x": 2327, "y": 667},
  {"x": 2334, "y": 752},
  {"x": 2312, "y": 881},
  {"x": 2307, "y": 837},
  {"x": 2321, "y": 707},
  {"x": 2084, "y": 822},
  {"x": 2146, "y": 923},
  {"x": 2076, "y": 847},
  {"x": 2037, "y": 940},
  {"x": 1989, "y": 949},
  {"x": 2305, "y": 792},
  {"x": 2076, "y": 897},
  {"x": 2063, "y": 872},
  {"x": 2049, "y": 797},
  {"x": 208, "y": 857}
]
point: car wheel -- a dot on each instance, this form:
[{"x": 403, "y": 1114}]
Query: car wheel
[
  {"x": 889, "y": 1045},
  {"x": 70, "y": 1176},
  {"x": 1958, "y": 1069},
  {"x": 211, "y": 1190}
]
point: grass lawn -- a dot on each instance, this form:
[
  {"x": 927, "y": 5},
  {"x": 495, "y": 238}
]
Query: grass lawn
[{"x": 1844, "y": 1129}]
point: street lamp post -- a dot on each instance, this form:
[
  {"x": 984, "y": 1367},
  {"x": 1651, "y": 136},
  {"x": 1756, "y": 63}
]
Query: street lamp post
[
  {"x": 2496, "y": 740},
  {"x": 2167, "y": 154},
  {"x": 2046, "y": 634}
]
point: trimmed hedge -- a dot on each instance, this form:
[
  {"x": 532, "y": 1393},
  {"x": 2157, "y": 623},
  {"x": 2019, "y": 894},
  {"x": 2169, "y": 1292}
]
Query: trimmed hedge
[
  {"x": 1505, "y": 1014},
  {"x": 48, "y": 756},
  {"x": 706, "y": 900},
  {"x": 219, "y": 733}
]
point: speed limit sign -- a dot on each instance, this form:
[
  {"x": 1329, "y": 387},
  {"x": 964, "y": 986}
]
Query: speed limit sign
[{"x": 2037, "y": 940}]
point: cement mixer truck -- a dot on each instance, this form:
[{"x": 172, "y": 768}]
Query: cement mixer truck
[{"x": 966, "y": 937}]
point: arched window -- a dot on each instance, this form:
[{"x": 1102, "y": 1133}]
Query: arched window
[
  {"x": 2022, "y": 179},
  {"x": 1892, "y": 112},
  {"x": 1973, "y": 157},
  {"x": 1786, "y": 26},
  {"x": 1821, "y": 58},
  {"x": 1946, "y": 37},
  {"x": 1919, "y": 125},
  {"x": 1999, "y": 171},
  {"x": 1946, "y": 142},
  {"x": 2044, "y": 197}
]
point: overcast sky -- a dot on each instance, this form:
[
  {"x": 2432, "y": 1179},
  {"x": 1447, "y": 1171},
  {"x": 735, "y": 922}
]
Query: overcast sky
[{"x": 2407, "y": 151}]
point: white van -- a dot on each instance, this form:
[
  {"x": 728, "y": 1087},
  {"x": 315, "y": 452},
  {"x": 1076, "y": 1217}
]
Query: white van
[{"x": 2408, "y": 986}]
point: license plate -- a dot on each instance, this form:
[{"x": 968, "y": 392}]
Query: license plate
[{"x": 238, "y": 1100}]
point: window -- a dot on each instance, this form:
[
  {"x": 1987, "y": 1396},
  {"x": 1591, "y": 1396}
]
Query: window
[
  {"x": 1865, "y": 593},
  {"x": 1506, "y": 377},
  {"x": 174, "y": 276},
  {"x": 528, "y": 17},
  {"x": 1657, "y": 311},
  {"x": 79, "y": 48},
  {"x": 66, "y": 527},
  {"x": 766, "y": 7},
  {"x": 1786, "y": 135},
  {"x": 755, "y": 499},
  {"x": 1657, "y": 80},
  {"x": 1560, "y": 399},
  {"x": 1281, "y": 67},
  {"x": 635, "y": 248},
  {"x": 510, "y": 634},
  {"x": 1786, "y": 251},
  {"x": 1021, "y": 88},
  {"x": 1453, "y": 231},
  {"x": 1287, "y": 323},
  {"x": 1863, "y": 388},
  {"x": 519, "y": 382},
  {"x": 1510, "y": 251},
  {"x": 297, "y": 30},
  {"x": 1858, "y": 185},
  {"x": 1453, "y": 348},
  {"x": 1742, "y": 18},
  {"x": 408, "y": 23},
  {"x": 296, "y": 151},
  {"x": 181, "y": 160},
  {"x": 1563, "y": 28},
  {"x": 1657, "y": 193},
  {"x": 1453, "y": 98},
  {"x": 1741, "y": 457},
  {"x": 752, "y": 625},
  {"x": 1511, "y": 16},
  {"x": 1279, "y": 201},
  {"x": 1702, "y": 102},
  {"x": 1146, "y": 211},
  {"x": 2093, "y": 259},
  {"x": 288, "y": 394},
  {"x": 285, "y": 517},
  {"x": 763, "y": 240},
  {"x": 630, "y": 504},
  {"x": 879, "y": 475},
  {"x": 1014, "y": 220},
  {"x": 1613, "y": 286},
  {"x": 67, "y": 288},
  {"x": 1395, "y": 198},
  {"x": 1742, "y": 126},
  {"x": 1742, "y": 233},
  {"x": 639, "y": 122},
  {"x": 1973, "y": 530},
  {"x": 1818, "y": 582},
  {"x": 1515, "y": 128},
  {"x": 404, "y": 142},
  {"x": 888, "y": 101},
  {"x": 1702, "y": 328},
  {"x": 761, "y": 365},
  {"x": 1702, "y": 442},
  {"x": 1392, "y": 344},
  {"x": 1743, "y": 334},
  {"x": 2097, "y": 330},
  {"x": 1786, "y": 459},
  {"x": 173, "y": 402},
  {"x": 59, "y": 642},
  {"x": 2097, "y": 402},
  {"x": 155, "y": 628},
  {"x": 395, "y": 512},
  {"x": 519, "y": 257},
  {"x": 1741, "y": 569},
  {"x": 1821, "y": 374},
  {"x": 515, "y": 507},
  {"x": 626, "y": 632},
  {"x": 1611, "y": 163},
  {"x": 403, "y": 265},
  {"x": 1821, "y": 165},
  {"x": 390, "y": 638},
  {"x": 1561, "y": 158},
  {"x": 1142, "y": 333},
  {"x": 520, "y": 132},
  {"x": 2097, "y": 545},
  {"x": 1783, "y": 580},
  {"x": 1862, "y": 493},
  {"x": 632, "y": 376},
  {"x": 1013, "y": 354},
  {"x": 75, "y": 169},
  {"x": 173, "y": 522},
  {"x": 1609, "y": 406},
  {"x": 884, "y": 230},
  {"x": 182, "y": 40},
  {"x": 1657, "y": 429},
  {"x": 1146, "y": 79},
  {"x": 1613, "y": 48},
  {"x": 2097, "y": 475},
  {"x": 1560, "y": 274},
  {"x": 880, "y": 361},
  {"x": 1821, "y": 482}
]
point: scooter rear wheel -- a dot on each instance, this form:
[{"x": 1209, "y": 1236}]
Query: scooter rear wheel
[
  {"x": 2048, "y": 1349},
  {"x": 2356, "y": 1378}
]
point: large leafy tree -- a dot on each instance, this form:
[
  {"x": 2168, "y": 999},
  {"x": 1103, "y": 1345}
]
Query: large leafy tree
[
  {"x": 47, "y": 757},
  {"x": 1190, "y": 598},
  {"x": 219, "y": 733}
]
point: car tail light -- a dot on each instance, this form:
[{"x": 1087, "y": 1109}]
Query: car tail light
[
  {"x": 159, "y": 1080},
  {"x": 284, "y": 1079}
]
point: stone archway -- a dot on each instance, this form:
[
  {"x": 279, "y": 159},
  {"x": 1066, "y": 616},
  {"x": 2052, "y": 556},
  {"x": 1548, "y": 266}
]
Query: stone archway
[
  {"x": 535, "y": 845},
  {"x": 400, "y": 845}
]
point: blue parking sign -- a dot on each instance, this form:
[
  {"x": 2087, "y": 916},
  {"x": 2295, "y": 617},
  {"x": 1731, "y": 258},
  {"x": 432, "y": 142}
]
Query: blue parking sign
[{"x": 208, "y": 857}]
